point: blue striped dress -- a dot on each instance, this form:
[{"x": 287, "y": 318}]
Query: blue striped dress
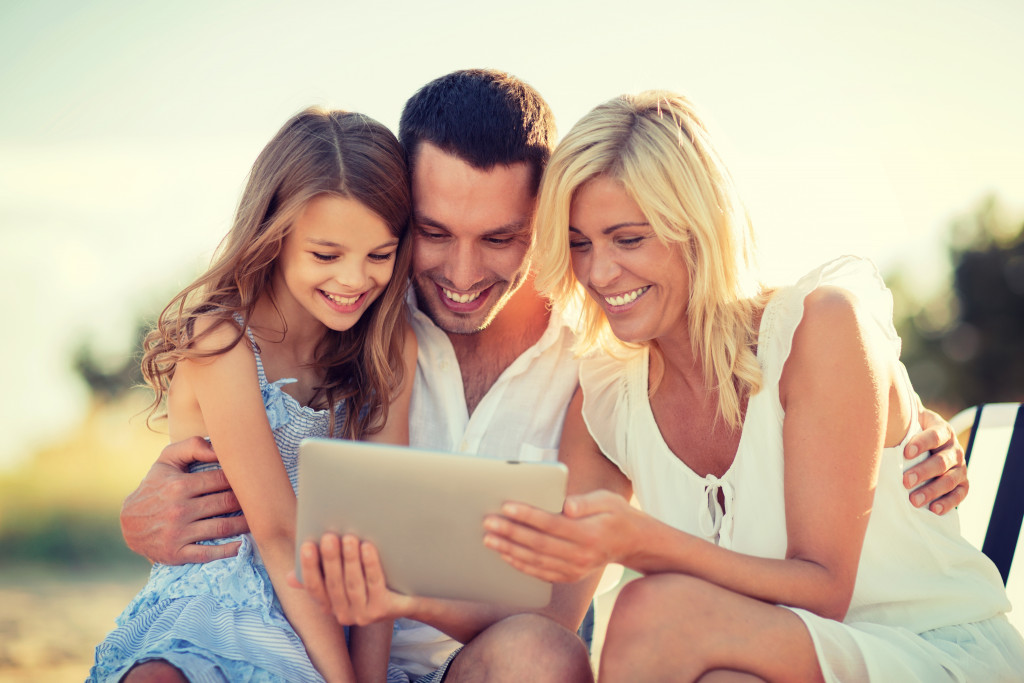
[{"x": 221, "y": 621}]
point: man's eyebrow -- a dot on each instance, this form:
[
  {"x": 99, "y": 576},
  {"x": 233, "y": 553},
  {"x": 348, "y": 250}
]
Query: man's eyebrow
[
  {"x": 507, "y": 228},
  {"x": 428, "y": 221}
]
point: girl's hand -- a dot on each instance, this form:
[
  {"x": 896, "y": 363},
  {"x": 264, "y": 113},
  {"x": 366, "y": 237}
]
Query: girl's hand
[
  {"x": 345, "y": 577},
  {"x": 594, "y": 529}
]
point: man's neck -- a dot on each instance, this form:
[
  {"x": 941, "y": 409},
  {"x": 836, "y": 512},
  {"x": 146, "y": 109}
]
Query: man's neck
[{"x": 484, "y": 355}]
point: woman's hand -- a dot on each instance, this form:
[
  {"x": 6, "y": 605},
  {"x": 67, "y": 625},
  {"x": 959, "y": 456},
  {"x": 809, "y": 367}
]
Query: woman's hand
[{"x": 594, "y": 529}]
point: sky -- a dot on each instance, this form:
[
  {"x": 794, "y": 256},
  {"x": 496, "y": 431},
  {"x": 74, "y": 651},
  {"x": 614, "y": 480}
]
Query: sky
[{"x": 127, "y": 129}]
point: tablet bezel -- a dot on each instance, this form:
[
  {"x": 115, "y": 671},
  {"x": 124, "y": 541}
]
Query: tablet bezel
[{"x": 424, "y": 512}]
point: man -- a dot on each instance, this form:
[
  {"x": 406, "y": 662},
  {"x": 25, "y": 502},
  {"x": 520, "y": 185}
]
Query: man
[{"x": 495, "y": 375}]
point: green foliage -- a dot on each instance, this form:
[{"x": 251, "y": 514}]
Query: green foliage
[
  {"x": 60, "y": 508},
  {"x": 110, "y": 379},
  {"x": 966, "y": 345},
  {"x": 68, "y": 538}
]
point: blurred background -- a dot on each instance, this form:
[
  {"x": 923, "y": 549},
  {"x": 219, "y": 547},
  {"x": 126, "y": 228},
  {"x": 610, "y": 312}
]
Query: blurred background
[{"x": 888, "y": 129}]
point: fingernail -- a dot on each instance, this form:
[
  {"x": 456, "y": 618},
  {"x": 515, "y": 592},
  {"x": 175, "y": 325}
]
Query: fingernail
[
  {"x": 490, "y": 524},
  {"x": 937, "y": 508},
  {"x": 917, "y": 499},
  {"x": 911, "y": 451},
  {"x": 911, "y": 479},
  {"x": 510, "y": 508},
  {"x": 490, "y": 541}
]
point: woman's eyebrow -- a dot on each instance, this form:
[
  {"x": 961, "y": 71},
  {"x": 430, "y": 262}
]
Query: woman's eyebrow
[{"x": 612, "y": 228}]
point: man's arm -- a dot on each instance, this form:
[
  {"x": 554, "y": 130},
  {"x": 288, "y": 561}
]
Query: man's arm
[
  {"x": 946, "y": 467},
  {"x": 172, "y": 509}
]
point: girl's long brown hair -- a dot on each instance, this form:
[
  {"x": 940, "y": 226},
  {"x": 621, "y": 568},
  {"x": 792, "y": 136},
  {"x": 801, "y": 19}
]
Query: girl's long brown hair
[{"x": 316, "y": 152}]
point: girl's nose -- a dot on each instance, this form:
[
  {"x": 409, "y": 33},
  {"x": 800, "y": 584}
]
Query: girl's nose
[{"x": 351, "y": 275}]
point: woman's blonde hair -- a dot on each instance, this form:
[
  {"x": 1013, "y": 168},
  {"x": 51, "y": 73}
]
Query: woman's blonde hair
[
  {"x": 316, "y": 152},
  {"x": 657, "y": 147}
]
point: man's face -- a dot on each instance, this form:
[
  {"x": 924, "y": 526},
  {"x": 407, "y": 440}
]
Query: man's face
[{"x": 471, "y": 232}]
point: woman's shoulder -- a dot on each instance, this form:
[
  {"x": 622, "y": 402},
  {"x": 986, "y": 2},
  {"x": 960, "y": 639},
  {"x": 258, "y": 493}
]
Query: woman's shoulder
[
  {"x": 611, "y": 386},
  {"x": 849, "y": 288},
  {"x": 603, "y": 371}
]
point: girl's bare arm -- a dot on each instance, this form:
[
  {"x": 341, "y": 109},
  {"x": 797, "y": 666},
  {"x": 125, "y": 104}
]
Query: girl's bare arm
[{"x": 227, "y": 390}]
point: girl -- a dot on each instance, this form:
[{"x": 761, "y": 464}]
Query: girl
[
  {"x": 297, "y": 330},
  {"x": 762, "y": 432}
]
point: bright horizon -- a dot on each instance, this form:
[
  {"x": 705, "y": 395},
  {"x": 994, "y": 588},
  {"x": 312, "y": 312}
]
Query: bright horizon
[{"x": 128, "y": 129}]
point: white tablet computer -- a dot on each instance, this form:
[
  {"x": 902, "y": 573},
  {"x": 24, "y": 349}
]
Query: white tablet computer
[{"x": 424, "y": 512}]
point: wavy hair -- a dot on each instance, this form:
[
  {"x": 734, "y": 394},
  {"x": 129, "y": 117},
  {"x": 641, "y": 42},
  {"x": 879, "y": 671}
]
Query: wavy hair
[
  {"x": 316, "y": 152},
  {"x": 657, "y": 147}
]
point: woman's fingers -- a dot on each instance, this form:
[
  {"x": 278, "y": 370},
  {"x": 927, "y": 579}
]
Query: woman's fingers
[
  {"x": 551, "y": 547},
  {"x": 539, "y": 564}
]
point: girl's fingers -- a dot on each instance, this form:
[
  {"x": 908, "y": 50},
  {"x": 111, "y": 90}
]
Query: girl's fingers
[
  {"x": 355, "y": 582},
  {"x": 374, "y": 572},
  {"x": 312, "y": 579},
  {"x": 334, "y": 577}
]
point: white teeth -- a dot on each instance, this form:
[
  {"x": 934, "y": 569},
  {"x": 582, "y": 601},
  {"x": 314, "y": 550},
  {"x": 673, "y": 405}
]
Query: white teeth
[
  {"x": 623, "y": 299},
  {"x": 460, "y": 298},
  {"x": 342, "y": 300}
]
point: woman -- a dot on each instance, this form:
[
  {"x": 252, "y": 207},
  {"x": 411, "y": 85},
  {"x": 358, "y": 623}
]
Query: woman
[{"x": 761, "y": 432}]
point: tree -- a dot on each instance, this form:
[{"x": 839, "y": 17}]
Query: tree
[{"x": 966, "y": 345}]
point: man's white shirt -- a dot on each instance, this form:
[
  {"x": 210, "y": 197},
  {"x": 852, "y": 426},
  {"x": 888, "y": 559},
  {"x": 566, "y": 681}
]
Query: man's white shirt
[{"x": 519, "y": 418}]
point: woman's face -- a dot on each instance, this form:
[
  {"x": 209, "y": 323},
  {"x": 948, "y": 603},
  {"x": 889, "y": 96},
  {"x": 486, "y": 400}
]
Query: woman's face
[{"x": 640, "y": 282}]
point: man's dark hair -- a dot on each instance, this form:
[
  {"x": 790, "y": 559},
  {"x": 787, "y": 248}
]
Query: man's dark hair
[{"x": 482, "y": 116}]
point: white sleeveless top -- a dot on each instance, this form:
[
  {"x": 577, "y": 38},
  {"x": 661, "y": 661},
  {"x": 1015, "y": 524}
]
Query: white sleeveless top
[{"x": 915, "y": 570}]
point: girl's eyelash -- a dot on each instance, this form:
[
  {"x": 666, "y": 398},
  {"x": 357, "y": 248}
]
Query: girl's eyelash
[
  {"x": 382, "y": 258},
  {"x": 323, "y": 257}
]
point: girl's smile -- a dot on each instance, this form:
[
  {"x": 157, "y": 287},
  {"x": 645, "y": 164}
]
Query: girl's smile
[{"x": 344, "y": 304}]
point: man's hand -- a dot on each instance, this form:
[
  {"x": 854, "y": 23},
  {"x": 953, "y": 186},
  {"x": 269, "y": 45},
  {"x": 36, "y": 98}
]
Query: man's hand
[
  {"x": 171, "y": 509},
  {"x": 945, "y": 467},
  {"x": 345, "y": 577}
]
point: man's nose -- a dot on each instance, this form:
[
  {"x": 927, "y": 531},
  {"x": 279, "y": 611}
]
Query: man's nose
[{"x": 464, "y": 265}]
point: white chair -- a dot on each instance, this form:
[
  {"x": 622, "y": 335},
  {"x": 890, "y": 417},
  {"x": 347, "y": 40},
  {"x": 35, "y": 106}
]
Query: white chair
[{"x": 991, "y": 515}]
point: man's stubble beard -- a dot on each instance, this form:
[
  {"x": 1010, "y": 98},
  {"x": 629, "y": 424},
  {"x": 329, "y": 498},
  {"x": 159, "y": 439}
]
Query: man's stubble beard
[{"x": 427, "y": 304}]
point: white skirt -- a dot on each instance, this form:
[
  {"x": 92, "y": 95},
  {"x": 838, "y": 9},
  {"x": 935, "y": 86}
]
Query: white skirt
[{"x": 990, "y": 650}]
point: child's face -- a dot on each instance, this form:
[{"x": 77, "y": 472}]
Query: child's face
[{"x": 334, "y": 263}]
